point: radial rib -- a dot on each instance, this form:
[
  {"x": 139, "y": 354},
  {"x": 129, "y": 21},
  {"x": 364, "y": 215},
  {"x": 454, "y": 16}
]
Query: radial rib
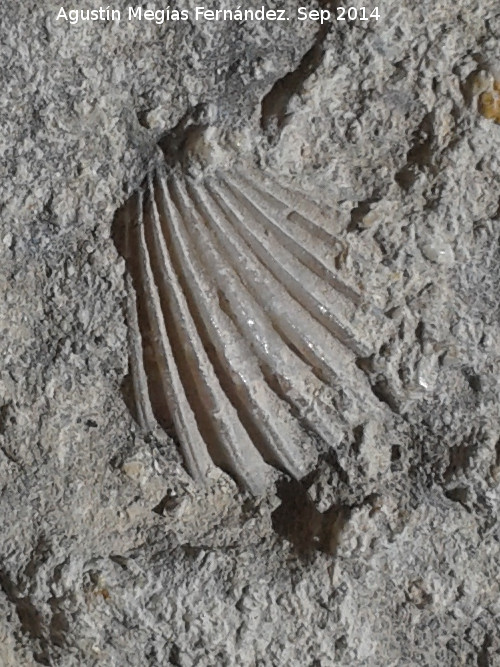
[
  {"x": 282, "y": 441},
  {"x": 294, "y": 323},
  {"x": 329, "y": 307},
  {"x": 317, "y": 255},
  {"x": 286, "y": 370},
  {"x": 232, "y": 446},
  {"x": 192, "y": 444}
]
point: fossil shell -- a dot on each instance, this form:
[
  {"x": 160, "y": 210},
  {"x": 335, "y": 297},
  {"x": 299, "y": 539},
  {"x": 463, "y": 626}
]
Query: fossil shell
[{"x": 243, "y": 335}]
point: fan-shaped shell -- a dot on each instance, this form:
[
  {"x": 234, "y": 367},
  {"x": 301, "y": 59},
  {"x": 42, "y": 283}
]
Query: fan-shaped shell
[{"x": 243, "y": 336}]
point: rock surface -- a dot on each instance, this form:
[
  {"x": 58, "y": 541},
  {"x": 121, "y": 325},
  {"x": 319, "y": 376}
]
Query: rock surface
[{"x": 387, "y": 555}]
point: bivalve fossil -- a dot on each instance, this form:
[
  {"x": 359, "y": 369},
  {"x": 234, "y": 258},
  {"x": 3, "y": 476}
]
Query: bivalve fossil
[{"x": 243, "y": 334}]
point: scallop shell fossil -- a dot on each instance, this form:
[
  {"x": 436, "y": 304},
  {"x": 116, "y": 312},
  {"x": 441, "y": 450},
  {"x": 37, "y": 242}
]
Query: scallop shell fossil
[{"x": 243, "y": 335}]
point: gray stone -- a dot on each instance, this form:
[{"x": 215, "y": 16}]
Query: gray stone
[{"x": 387, "y": 552}]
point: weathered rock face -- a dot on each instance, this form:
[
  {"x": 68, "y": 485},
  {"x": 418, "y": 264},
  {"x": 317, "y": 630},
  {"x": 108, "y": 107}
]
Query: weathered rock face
[{"x": 387, "y": 552}]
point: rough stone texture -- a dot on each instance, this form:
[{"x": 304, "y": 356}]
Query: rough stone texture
[{"x": 392, "y": 557}]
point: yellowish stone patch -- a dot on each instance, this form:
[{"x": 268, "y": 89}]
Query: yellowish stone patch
[{"x": 489, "y": 103}]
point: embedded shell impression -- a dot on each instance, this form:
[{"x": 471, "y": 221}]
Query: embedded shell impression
[{"x": 243, "y": 334}]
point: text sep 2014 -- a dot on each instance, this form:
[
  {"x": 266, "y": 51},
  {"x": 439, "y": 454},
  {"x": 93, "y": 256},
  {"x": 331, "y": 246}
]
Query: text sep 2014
[{"x": 202, "y": 13}]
